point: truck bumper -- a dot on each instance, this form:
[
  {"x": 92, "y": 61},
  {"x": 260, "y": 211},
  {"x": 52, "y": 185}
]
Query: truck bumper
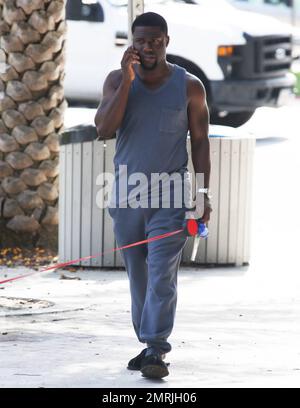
[{"x": 246, "y": 95}]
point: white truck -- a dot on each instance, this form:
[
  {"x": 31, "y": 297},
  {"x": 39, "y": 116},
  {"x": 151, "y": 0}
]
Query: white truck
[
  {"x": 285, "y": 10},
  {"x": 243, "y": 59}
]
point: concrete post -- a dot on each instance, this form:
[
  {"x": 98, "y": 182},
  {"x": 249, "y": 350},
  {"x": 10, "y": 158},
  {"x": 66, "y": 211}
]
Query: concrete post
[{"x": 135, "y": 8}]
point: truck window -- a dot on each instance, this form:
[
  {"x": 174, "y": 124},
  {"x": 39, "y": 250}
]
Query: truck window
[
  {"x": 288, "y": 3},
  {"x": 123, "y": 3},
  {"x": 84, "y": 10}
]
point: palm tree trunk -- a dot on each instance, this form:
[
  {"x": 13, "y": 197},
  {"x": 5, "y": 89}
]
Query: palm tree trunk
[{"x": 32, "y": 105}]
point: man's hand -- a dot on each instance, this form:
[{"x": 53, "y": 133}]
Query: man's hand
[
  {"x": 201, "y": 209},
  {"x": 130, "y": 57},
  {"x": 207, "y": 210}
]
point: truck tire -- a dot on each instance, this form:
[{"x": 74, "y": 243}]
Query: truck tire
[
  {"x": 193, "y": 69},
  {"x": 234, "y": 119}
]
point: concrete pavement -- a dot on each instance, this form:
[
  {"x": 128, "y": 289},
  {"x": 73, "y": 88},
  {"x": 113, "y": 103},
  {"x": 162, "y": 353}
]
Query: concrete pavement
[{"x": 235, "y": 327}]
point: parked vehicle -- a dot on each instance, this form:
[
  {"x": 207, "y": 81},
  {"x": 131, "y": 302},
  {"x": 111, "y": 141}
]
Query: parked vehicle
[
  {"x": 287, "y": 11},
  {"x": 281, "y": 9},
  {"x": 243, "y": 59}
]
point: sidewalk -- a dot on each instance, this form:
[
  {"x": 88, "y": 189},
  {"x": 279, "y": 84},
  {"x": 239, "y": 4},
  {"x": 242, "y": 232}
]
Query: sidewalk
[{"x": 235, "y": 327}]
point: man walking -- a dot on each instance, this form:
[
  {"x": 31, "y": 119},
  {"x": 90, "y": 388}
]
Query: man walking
[{"x": 152, "y": 104}]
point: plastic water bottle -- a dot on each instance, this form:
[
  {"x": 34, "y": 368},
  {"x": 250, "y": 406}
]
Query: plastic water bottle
[
  {"x": 202, "y": 230},
  {"x": 195, "y": 228}
]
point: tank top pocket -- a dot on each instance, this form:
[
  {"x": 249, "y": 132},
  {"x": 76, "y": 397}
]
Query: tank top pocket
[{"x": 172, "y": 120}]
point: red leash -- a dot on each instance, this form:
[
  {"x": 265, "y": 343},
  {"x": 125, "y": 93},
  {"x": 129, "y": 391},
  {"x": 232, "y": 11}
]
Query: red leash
[{"x": 168, "y": 234}]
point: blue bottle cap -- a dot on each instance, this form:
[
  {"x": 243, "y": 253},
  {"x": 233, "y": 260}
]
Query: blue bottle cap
[{"x": 202, "y": 230}]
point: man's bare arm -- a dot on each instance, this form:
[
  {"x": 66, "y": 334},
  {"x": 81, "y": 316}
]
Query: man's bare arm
[
  {"x": 198, "y": 114},
  {"x": 116, "y": 89},
  {"x": 111, "y": 111}
]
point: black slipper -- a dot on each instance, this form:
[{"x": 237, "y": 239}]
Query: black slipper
[
  {"x": 135, "y": 363},
  {"x": 153, "y": 367}
]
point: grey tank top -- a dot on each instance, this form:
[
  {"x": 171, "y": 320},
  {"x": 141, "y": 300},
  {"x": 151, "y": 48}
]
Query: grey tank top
[{"x": 153, "y": 135}]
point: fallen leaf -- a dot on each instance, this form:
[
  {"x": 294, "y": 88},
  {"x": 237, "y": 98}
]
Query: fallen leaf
[{"x": 69, "y": 277}]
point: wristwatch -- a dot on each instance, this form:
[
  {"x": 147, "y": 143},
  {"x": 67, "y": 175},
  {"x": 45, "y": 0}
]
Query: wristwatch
[
  {"x": 205, "y": 191},
  {"x": 202, "y": 190}
]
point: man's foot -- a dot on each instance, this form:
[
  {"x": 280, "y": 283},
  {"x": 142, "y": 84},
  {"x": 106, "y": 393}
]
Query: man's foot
[
  {"x": 152, "y": 366},
  {"x": 135, "y": 363}
]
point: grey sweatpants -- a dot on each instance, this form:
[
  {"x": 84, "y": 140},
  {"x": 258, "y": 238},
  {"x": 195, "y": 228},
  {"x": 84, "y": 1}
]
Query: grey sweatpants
[{"x": 152, "y": 269}]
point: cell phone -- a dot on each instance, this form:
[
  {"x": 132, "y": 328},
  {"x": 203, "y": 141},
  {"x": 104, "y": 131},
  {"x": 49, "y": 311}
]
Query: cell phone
[{"x": 137, "y": 53}]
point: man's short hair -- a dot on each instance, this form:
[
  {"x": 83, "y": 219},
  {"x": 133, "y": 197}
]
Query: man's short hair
[{"x": 150, "y": 19}]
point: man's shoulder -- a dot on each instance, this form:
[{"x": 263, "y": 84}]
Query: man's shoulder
[
  {"x": 195, "y": 86},
  {"x": 193, "y": 81},
  {"x": 115, "y": 77}
]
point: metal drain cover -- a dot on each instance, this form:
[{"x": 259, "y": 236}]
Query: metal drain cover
[{"x": 13, "y": 303}]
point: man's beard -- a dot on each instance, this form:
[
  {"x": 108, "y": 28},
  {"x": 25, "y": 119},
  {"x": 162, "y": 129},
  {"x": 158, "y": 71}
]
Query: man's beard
[{"x": 148, "y": 67}]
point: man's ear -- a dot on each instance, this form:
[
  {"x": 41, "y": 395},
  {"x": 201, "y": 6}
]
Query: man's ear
[{"x": 168, "y": 40}]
